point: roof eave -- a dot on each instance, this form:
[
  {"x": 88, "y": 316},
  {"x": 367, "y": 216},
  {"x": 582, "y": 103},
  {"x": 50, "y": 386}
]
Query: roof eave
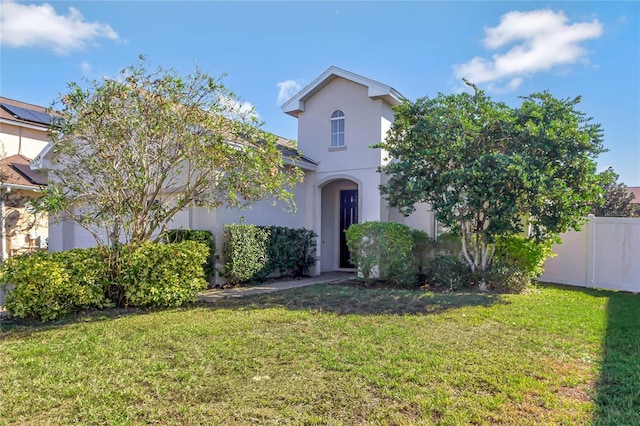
[
  {"x": 376, "y": 90},
  {"x": 304, "y": 165}
]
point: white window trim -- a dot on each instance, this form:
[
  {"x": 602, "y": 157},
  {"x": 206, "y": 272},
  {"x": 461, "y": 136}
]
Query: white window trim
[{"x": 343, "y": 133}]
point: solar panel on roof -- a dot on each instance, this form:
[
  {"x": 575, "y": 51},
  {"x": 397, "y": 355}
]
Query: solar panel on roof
[
  {"x": 28, "y": 114},
  {"x": 32, "y": 176}
]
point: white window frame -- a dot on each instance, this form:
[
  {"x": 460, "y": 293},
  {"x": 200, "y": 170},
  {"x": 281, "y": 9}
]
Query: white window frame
[{"x": 337, "y": 137}]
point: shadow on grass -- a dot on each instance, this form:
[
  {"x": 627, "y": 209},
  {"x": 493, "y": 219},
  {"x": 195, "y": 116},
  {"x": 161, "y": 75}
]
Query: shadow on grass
[
  {"x": 345, "y": 299},
  {"x": 618, "y": 389},
  {"x": 342, "y": 299},
  {"x": 25, "y": 327}
]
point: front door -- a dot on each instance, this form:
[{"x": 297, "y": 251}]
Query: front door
[{"x": 348, "y": 216}]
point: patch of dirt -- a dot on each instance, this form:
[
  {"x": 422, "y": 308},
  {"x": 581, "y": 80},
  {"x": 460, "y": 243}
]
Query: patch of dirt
[{"x": 581, "y": 392}]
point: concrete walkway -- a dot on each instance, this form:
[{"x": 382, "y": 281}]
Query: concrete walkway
[{"x": 328, "y": 277}]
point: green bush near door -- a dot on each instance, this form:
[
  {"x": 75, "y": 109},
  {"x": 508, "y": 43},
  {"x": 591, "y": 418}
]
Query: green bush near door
[{"x": 383, "y": 250}]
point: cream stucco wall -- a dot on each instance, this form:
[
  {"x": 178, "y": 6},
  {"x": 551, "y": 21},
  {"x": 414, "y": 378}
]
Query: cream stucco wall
[
  {"x": 363, "y": 127},
  {"x": 353, "y": 166},
  {"x": 24, "y": 139},
  {"x": 367, "y": 122}
]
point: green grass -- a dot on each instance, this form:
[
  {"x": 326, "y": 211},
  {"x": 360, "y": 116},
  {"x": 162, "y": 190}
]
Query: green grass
[{"x": 335, "y": 355}]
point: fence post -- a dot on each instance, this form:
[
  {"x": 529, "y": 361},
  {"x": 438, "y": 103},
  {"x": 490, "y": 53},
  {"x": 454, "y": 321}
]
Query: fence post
[{"x": 591, "y": 251}]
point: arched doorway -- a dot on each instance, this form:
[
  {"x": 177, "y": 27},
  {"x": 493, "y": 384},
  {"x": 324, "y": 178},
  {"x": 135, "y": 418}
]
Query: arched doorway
[{"x": 339, "y": 208}]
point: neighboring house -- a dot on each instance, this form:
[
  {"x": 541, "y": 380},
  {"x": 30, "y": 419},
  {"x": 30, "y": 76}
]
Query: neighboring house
[
  {"x": 23, "y": 134},
  {"x": 23, "y": 128},
  {"x": 635, "y": 190},
  {"x": 340, "y": 115}
]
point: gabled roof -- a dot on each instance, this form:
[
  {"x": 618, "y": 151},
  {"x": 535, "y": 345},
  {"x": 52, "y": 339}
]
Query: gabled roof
[
  {"x": 377, "y": 90},
  {"x": 22, "y": 113},
  {"x": 16, "y": 173},
  {"x": 289, "y": 153}
]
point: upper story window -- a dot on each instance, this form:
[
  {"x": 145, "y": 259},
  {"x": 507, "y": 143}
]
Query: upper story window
[{"x": 337, "y": 128}]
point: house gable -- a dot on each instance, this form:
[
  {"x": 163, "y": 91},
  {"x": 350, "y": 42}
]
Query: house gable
[
  {"x": 375, "y": 90},
  {"x": 363, "y": 109}
]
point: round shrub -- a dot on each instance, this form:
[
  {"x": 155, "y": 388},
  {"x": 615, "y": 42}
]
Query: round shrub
[
  {"x": 507, "y": 278},
  {"x": 383, "y": 250},
  {"x": 448, "y": 272},
  {"x": 49, "y": 286},
  {"x": 205, "y": 237},
  {"x": 523, "y": 253},
  {"x": 163, "y": 275}
]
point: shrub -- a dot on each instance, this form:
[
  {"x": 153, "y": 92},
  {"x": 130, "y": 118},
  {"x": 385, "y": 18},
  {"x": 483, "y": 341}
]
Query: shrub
[
  {"x": 290, "y": 252},
  {"x": 422, "y": 248},
  {"x": 507, "y": 278},
  {"x": 48, "y": 286},
  {"x": 201, "y": 236},
  {"x": 447, "y": 271},
  {"x": 383, "y": 250},
  {"x": 448, "y": 244},
  {"x": 245, "y": 252},
  {"x": 163, "y": 274},
  {"x": 523, "y": 253}
]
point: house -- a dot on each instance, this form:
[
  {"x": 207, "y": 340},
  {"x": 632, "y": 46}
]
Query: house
[
  {"x": 340, "y": 115},
  {"x": 23, "y": 134},
  {"x": 635, "y": 190}
]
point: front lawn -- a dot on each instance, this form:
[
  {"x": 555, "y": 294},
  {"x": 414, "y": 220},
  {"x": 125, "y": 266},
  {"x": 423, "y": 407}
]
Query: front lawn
[{"x": 335, "y": 354}]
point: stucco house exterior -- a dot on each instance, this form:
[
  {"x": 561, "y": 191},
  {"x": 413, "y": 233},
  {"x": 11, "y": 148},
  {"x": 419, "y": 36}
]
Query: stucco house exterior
[
  {"x": 340, "y": 115},
  {"x": 23, "y": 135}
]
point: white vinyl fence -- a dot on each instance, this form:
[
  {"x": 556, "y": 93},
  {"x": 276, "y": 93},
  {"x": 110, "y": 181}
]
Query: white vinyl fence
[{"x": 604, "y": 254}]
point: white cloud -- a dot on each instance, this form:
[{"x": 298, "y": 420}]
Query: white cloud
[
  {"x": 39, "y": 25},
  {"x": 540, "y": 40},
  {"x": 86, "y": 68},
  {"x": 286, "y": 89},
  {"x": 235, "y": 109}
]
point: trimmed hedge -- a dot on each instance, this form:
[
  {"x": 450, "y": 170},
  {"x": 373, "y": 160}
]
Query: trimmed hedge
[
  {"x": 163, "y": 274},
  {"x": 48, "y": 286},
  {"x": 383, "y": 250},
  {"x": 201, "y": 236},
  {"x": 245, "y": 252},
  {"x": 255, "y": 253},
  {"x": 290, "y": 252}
]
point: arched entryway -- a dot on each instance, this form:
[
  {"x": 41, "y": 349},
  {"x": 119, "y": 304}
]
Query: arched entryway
[{"x": 339, "y": 208}]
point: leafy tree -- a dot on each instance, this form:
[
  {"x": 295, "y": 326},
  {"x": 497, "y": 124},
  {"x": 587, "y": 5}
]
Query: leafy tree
[
  {"x": 489, "y": 170},
  {"x": 130, "y": 153},
  {"x": 616, "y": 201}
]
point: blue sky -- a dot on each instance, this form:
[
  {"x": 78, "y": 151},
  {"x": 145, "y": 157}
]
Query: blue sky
[{"x": 270, "y": 49}]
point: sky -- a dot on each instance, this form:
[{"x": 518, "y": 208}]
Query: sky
[{"x": 270, "y": 50}]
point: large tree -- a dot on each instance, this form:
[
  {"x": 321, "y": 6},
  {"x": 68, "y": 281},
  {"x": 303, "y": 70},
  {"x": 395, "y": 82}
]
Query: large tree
[
  {"x": 129, "y": 153},
  {"x": 616, "y": 201},
  {"x": 489, "y": 170}
]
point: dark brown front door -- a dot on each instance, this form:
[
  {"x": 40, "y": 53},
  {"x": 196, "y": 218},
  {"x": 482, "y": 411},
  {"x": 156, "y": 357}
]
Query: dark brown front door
[{"x": 348, "y": 216}]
